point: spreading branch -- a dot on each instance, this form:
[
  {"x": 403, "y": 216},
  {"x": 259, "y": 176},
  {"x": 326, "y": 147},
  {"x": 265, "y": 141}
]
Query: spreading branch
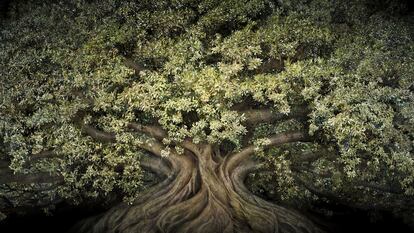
[
  {"x": 98, "y": 134},
  {"x": 257, "y": 116},
  {"x": 43, "y": 155},
  {"x": 311, "y": 156},
  {"x": 132, "y": 65},
  {"x": 247, "y": 167},
  {"x": 8, "y": 176},
  {"x": 159, "y": 133},
  {"x": 282, "y": 138},
  {"x": 158, "y": 165},
  {"x": 150, "y": 130},
  {"x": 152, "y": 146}
]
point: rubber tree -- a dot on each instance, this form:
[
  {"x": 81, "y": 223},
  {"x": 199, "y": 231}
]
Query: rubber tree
[{"x": 203, "y": 94}]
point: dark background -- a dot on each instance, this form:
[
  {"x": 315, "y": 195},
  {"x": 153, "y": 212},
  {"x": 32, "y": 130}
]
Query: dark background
[
  {"x": 381, "y": 4},
  {"x": 343, "y": 221},
  {"x": 3, "y": 7}
]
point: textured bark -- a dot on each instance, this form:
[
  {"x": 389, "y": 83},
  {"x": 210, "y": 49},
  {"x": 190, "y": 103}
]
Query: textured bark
[
  {"x": 28, "y": 193},
  {"x": 200, "y": 195},
  {"x": 257, "y": 116}
]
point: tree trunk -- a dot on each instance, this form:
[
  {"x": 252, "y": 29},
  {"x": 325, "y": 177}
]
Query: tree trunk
[{"x": 203, "y": 193}]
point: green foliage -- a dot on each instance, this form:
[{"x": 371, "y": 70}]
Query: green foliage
[{"x": 65, "y": 63}]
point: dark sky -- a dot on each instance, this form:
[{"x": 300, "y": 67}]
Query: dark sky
[
  {"x": 3, "y": 6},
  {"x": 408, "y": 3}
]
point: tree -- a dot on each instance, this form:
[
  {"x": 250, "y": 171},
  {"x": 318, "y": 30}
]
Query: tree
[{"x": 203, "y": 94}]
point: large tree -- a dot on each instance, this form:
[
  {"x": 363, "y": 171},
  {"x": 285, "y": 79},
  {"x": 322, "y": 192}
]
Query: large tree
[{"x": 98, "y": 95}]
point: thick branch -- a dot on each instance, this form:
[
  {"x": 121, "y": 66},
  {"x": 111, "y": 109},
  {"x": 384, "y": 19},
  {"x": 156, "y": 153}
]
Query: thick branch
[
  {"x": 278, "y": 139},
  {"x": 7, "y": 176},
  {"x": 132, "y": 65},
  {"x": 43, "y": 155},
  {"x": 312, "y": 156},
  {"x": 159, "y": 133},
  {"x": 246, "y": 167},
  {"x": 150, "y": 130},
  {"x": 152, "y": 146},
  {"x": 98, "y": 134},
  {"x": 156, "y": 165},
  {"x": 257, "y": 116}
]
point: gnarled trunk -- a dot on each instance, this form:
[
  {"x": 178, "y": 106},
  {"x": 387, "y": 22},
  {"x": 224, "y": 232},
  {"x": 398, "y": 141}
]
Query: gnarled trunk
[{"x": 203, "y": 193}]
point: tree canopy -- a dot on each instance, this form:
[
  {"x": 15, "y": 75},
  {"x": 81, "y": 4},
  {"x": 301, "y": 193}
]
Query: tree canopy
[{"x": 318, "y": 94}]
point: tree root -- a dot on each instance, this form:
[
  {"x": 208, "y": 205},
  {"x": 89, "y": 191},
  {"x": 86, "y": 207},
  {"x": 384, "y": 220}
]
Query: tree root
[{"x": 202, "y": 197}]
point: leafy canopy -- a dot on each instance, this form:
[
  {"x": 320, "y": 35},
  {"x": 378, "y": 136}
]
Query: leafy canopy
[{"x": 191, "y": 66}]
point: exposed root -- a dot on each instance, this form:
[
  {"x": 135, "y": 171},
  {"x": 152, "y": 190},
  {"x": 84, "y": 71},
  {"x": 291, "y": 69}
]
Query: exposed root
[{"x": 203, "y": 197}]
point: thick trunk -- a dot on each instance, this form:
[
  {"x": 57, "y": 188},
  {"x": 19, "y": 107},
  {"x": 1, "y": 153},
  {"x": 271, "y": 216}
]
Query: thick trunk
[{"x": 203, "y": 195}]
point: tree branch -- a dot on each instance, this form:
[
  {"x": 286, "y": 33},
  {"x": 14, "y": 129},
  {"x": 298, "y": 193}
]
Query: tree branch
[
  {"x": 311, "y": 156},
  {"x": 98, "y": 134},
  {"x": 7, "y": 176},
  {"x": 132, "y": 65},
  {"x": 257, "y": 116},
  {"x": 43, "y": 155},
  {"x": 247, "y": 167},
  {"x": 156, "y": 165},
  {"x": 151, "y": 130},
  {"x": 159, "y": 133},
  {"x": 153, "y": 146},
  {"x": 235, "y": 159}
]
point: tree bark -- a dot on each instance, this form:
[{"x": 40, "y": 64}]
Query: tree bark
[{"x": 201, "y": 195}]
